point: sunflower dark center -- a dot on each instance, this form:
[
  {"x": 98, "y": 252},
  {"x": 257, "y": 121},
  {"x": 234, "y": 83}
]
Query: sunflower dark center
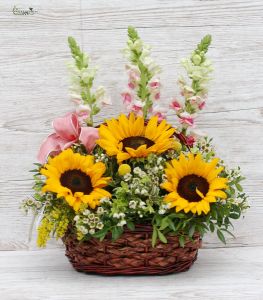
[
  {"x": 76, "y": 181},
  {"x": 187, "y": 187},
  {"x": 135, "y": 142}
]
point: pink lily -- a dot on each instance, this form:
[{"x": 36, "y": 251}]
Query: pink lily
[{"x": 67, "y": 132}]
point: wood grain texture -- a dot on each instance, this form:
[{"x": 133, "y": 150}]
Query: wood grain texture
[
  {"x": 34, "y": 84},
  {"x": 220, "y": 274}
]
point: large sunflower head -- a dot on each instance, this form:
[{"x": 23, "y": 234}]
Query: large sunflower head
[
  {"x": 193, "y": 183},
  {"x": 76, "y": 178},
  {"x": 130, "y": 137}
]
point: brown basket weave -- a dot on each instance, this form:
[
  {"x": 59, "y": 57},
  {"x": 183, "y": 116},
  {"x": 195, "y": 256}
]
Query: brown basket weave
[{"x": 131, "y": 254}]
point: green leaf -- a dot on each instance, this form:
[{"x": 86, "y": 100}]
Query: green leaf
[
  {"x": 178, "y": 215},
  {"x": 182, "y": 241},
  {"x": 162, "y": 237},
  {"x": 239, "y": 187},
  {"x": 171, "y": 224},
  {"x": 229, "y": 232},
  {"x": 205, "y": 43},
  {"x": 234, "y": 216},
  {"x": 164, "y": 223},
  {"x": 191, "y": 230},
  {"x": 130, "y": 225},
  {"x": 132, "y": 33},
  {"x": 116, "y": 232},
  {"x": 95, "y": 110},
  {"x": 154, "y": 236},
  {"x": 212, "y": 227},
  {"x": 221, "y": 236}
]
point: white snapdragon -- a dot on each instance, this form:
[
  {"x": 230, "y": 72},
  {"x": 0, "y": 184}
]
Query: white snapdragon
[{"x": 87, "y": 75}]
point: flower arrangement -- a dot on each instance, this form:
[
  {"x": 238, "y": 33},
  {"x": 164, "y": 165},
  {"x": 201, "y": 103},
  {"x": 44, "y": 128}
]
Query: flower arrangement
[{"x": 99, "y": 181}]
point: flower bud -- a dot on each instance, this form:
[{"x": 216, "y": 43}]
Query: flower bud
[
  {"x": 177, "y": 146},
  {"x": 196, "y": 59},
  {"x": 124, "y": 169}
]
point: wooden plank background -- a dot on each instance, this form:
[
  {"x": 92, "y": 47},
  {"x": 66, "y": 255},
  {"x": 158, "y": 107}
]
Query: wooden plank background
[{"x": 34, "y": 85}]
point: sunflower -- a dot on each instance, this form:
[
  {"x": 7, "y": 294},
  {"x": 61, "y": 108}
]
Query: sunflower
[
  {"x": 130, "y": 137},
  {"x": 76, "y": 178},
  {"x": 193, "y": 183}
]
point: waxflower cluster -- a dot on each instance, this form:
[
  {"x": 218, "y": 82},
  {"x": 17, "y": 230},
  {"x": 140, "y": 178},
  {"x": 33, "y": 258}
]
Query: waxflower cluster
[
  {"x": 135, "y": 169},
  {"x": 88, "y": 222}
]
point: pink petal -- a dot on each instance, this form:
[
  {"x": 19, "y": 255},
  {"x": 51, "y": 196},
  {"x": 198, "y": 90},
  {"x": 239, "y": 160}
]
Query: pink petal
[
  {"x": 175, "y": 105},
  {"x": 88, "y": 137},
  {"x": 190, "y": 140},
  {"x": 157, "y": 96},
  {"x": 53, "y": 144},
  {"x": 201, "y": 105},
  {"x": 126, "y": 98},
  {"x": 161, "y": 116},
  {"x": 131, "y": 85},
  {"x": 67, "y": 127}
]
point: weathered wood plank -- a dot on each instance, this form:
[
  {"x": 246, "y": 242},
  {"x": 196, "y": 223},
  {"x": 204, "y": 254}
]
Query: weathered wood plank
[
  {"x": 34, "y": 83},
  {"x": 217, "y": 274}
]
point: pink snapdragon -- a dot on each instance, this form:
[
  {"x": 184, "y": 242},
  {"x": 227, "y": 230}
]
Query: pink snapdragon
[
  {"x": 155, "y": 84},
  {"x": 134, "y": 77},
  {"x": 157, "y": 96},
  {"x": 127, "y": 98},
  {"x": 197, "y": 102},
  {"x": 137, "y": 107},
  {"x": 161, "y": 116},
  {"x": 159, "y": 111},
  {"x": 106, "y": 101},
  {"x": 175, "y": 105},
  {"x": 201, "y": 105},
  {"x": 186, "y": 119}
]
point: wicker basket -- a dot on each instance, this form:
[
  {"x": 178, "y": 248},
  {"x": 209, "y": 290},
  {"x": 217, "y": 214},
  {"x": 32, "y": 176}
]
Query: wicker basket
[{"x": 131, "y": 254}]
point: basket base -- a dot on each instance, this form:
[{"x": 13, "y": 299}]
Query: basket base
[
  {"x": 139, "y": 271},
  {"x": 131, "y": 254}
]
